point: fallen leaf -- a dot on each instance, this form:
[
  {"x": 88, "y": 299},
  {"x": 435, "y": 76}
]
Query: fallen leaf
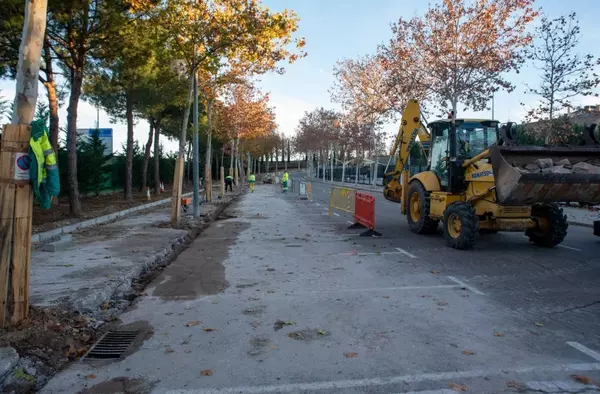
[
  {"x": 499, "y": 333},
  {"x": 538, "y": 324},
  {"x": 351, "y": 354},
  {"x": 442, "y": 303},
  {"x": 296, "y": 335},
  {"x": 435, "y": 271},
  {"x": 458, "y": 387},
  {"x": 209, "y": 329},
  {"x": 468, "y": 353},
  {"x": 193, "y": 323},
  {"x": 583, "y": 379},
  {"x": 169, "y": 350},
  {"x": 206, "y": 372},
  {"x": 290, "y": 323},
  {"x": 91, "y": 376},
  {"x": 104, "y": 306},
  {"x": 514, "y": 385},
  {"x": 322, "y": 332}
]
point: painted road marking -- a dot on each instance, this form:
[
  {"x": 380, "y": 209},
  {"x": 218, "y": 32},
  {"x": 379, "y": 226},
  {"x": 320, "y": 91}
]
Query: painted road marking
[
  {"x": 406, "y": 253},
  {"x": 466, "y": 286},
  {"x": 569, "y": 247},
  {"x": 336, "y": 214},
  {"x": 381, "y": 381},
  {"x": 318, "y": 204},
  {"x": 558, "y": 386},
  {"x": 561, "y": 246},
  {"x": 348, "y": 221},
  {"x": 592, "y": 353}
]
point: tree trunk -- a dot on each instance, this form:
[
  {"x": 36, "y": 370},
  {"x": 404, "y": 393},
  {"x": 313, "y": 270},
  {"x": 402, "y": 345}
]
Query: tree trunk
[
  {"x": 129, "y": 155},
  {"x": 156, "y": 158},
  {"x": 147, "y": 156},
  {"x": 28, "y": 67},
  {"x": 188, "y": 170},
  {"x": 50, "y": 85},
  {"x": 186, "y": 117},
  {"x": 208, "y": 160},
  {"x": 289, "y": 150},
  {"x": 73, "y": 186}
]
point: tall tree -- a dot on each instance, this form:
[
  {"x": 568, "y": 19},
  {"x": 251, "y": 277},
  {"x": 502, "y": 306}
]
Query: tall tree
[
  {"x": 76, "y": 28},
  {"x": 10, "y": 36},
  {"x": 564, "y": 73},
  {"x": 119, "y": 76},
  {"x": 459, "y": 50}
]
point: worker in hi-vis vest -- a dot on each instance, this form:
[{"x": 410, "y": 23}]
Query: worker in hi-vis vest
[
  {"x": 229, "y": 183},
  {"x": 284, "y": 181},
  {"x": 251, "y": 181}
]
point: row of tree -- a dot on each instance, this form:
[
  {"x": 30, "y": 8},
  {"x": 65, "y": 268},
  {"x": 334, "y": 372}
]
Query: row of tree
[
  {"x": 458, "y": 53},
  {"x": 138, "y": 59}
]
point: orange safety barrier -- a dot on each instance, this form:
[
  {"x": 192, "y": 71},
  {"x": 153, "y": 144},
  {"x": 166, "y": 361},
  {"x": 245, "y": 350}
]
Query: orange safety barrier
[
  {"x": 364, "y": 213},
  {"x": 185, "y": 203}
]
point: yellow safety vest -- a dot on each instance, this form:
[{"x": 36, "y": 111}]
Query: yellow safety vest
[
  {"x": 285, "y": 177},
  {"x": 252, "y": 178}
]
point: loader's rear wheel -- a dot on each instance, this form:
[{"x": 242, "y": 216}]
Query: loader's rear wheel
[
  {"x": 461, "y": 225},
  {"x": 418, "y": 210},
  {"x": 552, "y": 225}
]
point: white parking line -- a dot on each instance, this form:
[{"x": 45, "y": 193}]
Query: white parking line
[
  {"x": 557, "y": 386},
  {"x": 336, "y": 214},
  {"x": 466, "y": 286},
  {"x": 561, "y": 246},
  {"x": 348, "y": 221},
  {"x": 318, "y": 204},
  {"x": 569, "y": 247},
  {"x": 406, "y": 253},
  {"x": 592, "y": 353},
  {"x": 392, "y": 380}
]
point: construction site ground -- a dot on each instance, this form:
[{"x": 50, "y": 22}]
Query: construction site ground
[
  {"x": 278, "y": 297},
  {"x": 80, "y": 283}
]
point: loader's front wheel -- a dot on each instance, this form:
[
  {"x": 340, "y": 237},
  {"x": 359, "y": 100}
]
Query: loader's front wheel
[
  {"x": 461, "y": 225},
  {"x": 419, "y": 220},
  {"x": 552, "y": 225}
]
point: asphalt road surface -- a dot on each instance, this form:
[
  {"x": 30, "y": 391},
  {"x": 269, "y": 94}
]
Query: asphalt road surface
[{"x": 282, "y": 298}]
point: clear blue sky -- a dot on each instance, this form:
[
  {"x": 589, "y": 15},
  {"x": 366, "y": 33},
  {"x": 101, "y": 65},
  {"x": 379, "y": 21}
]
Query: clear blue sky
[{"x": 336, "y": 29}]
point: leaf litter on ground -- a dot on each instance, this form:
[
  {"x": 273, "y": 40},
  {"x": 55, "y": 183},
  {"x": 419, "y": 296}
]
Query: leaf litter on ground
[
  {"x": 206, "y": 372},
  {"x": 351, "y": 355},
  {"x": 279, "y": 324},
  {"x": 458, "y": 387},
  {"x": 193, "y": 323}
]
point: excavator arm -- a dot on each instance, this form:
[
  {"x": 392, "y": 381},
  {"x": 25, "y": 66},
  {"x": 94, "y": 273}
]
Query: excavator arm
[{"x": 410, "y": 128}]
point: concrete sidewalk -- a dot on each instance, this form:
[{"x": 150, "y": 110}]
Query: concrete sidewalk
[{"x": 93, "y": 269}]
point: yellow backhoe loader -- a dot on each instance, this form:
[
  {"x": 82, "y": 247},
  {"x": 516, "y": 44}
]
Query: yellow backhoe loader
[{"x": 479, "y": 180}]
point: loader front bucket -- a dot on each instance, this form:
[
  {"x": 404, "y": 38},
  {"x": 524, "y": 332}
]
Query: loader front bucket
[{"x": 517, "y": 186}]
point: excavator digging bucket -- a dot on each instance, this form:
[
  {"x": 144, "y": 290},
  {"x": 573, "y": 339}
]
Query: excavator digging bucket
[{"x": 516, "y": 185}]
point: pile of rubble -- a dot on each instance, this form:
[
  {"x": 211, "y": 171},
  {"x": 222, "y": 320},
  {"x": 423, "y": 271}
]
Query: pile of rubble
[{"x": 562, "y": 166}]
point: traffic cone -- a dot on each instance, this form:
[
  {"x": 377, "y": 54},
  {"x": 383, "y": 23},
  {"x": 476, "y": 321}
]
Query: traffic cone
[
  {"x": 148, "y": 193},
  {"x": 162, "y": 187}
]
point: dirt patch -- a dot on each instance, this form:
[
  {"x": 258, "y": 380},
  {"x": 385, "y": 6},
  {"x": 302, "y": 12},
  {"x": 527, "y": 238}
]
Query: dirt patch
[
  {"x": 199, "y": 270},
  {"x": 122, "y": 385},
  {"x": 51, "y": 338},
  {"x": 308, "y": 334},
  {"x": 254, "y": 311},
  {"x": 260, "y": 345},
  {"x": 91, "y": 207}
]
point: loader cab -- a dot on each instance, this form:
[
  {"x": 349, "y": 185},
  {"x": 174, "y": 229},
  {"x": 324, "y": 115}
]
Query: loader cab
[{"x": 450, "y": 146}]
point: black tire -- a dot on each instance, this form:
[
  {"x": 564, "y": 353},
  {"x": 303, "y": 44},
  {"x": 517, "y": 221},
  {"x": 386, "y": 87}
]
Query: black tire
[
  {"x": 550, "y": 215},
  {"x": 461, "y": 225},
  {"x": 423, "y": 224}
]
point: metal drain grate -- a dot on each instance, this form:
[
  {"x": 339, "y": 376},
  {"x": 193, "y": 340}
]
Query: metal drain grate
[{"x": 112, "y": 345}]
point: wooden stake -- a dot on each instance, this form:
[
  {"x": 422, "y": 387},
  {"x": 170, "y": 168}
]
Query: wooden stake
[
  {"x": 16, "y": 206},
  {"x": 177, "y": 192},
  {"x": 222, "y": 181}
]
